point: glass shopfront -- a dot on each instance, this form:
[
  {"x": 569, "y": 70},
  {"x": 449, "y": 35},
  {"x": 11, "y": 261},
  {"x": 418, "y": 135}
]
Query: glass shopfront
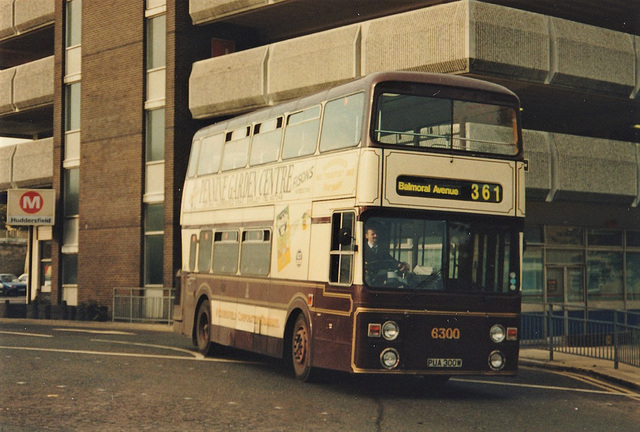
[{"x": 581, "y": 266}]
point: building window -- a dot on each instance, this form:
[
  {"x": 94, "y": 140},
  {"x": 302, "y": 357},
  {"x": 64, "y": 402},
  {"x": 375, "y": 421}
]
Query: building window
[
  {"x": 45, "y": 265},
  {"x": 153, "y": 244},
  {"x": 532, "y": 275},
  {"x": 73, "y": 27},
  {"x": 72, "y": 107},
  {"x": 70, "y": 269},
  {"x": 601, "y": 237},
  {"x": 71, "y": 189},
  {"x": 633, "y": 276},
  {"x": 155, "y": 135},
  {"x": 586, "y": 265},
  {"x": 71, "y": 208},
  {"x": 156, "y": 42},
  {"x": 565, "y": 236},
  {"x": 604, "y": 275}
]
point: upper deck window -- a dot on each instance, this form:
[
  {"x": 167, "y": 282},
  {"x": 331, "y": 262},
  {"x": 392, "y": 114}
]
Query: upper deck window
[
  {"x": 301, "y": 134},
  {"x": 430, "y": 122},
  {"x": 266, "y": 141},
  {"x": 342, "y": 123},
  {"x": 236, "y": 149},
  {"x": 210, "y": 152}
]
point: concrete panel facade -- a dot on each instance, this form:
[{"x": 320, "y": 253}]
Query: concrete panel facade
[
  {"x": 6, "y": 90},
  {"x": 33, "y": 163},
  {"x": 6, "y": 166},
  {"x": 31, "y": 14},
  {"x": 508, "y": 42},
  {"x": 429, "y": 40},
  {"x": 244, "y": 78},
  {"x": 25, "y": 165},
  {"x": 303, "y": 65},
  {"x": 536, "y": 151},
  {"x": 19, "y": 16},
  {"x": 33, "y": 84},
  {"x": 6, "y": 18},
  {"x": 459, "y": 37},
  {"x": 592, "y": 58},
  {"x": 202, "y": 11},
  {"x": 597, "y": 169}
]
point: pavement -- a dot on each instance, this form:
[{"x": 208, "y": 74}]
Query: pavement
[{"x": 625, "y": 375}]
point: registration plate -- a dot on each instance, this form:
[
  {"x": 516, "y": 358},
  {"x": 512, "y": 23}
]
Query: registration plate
[{"x": 444, "y": 363}]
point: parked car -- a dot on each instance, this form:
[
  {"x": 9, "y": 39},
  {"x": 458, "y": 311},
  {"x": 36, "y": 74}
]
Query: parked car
[{"x": 11, "y": 285}]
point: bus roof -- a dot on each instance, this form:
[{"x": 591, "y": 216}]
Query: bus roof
[{"x": 364, "y": 83}]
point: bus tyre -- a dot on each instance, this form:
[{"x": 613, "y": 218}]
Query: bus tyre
[
  {"x": 203, "y": 329},
  {"x": 301, "y": 349}
]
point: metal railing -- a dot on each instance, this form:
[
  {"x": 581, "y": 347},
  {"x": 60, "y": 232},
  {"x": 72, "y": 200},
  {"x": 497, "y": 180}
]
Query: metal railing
[
  {"x": 149, "y": 305},
  {"x": 571, "y": 331}
]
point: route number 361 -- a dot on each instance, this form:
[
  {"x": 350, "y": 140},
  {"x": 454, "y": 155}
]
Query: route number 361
[{"x": 445, "y": 333}]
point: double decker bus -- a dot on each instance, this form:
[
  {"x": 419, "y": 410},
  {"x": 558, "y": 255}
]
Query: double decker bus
[{"x": 375, "y": 227}]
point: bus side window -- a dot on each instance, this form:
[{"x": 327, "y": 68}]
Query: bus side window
[
  {"x": 255, "y": 253},
  {"x": 204, "y": 252},
  {"x": 265, "y": 146},
  {"x": 301, "y": 133},
  {"x": 236, "y": 149},
  {"x": 193, "y": 160},
  {"x": 225, "y": 252},
  {"x": 210, "y": 153},
  {"x": 193, "y": 250},
  {"x": 342, "y": 123},
  {"x": 341, "y": 254}
]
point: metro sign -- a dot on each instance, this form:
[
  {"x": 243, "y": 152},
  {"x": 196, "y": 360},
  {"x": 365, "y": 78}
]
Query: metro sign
[
  {"x": 31, "y": 206},
  {"x": 31, "y": 202}
]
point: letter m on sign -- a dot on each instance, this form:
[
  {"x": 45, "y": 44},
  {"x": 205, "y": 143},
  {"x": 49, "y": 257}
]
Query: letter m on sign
[{"x": 31, "y": 202}]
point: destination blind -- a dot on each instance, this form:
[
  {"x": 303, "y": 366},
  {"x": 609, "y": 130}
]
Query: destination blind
[{"x": 453, "y": 189}]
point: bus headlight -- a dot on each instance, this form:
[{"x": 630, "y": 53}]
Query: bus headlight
[
  {"x": 496, "y": 360},
  {"x": 497, "y": 333},
  {"x": 389, "y": 358},
  {"x": 390, "y": 330}
]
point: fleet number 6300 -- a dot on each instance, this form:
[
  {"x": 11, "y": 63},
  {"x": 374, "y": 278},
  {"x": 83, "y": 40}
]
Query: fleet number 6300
[{"x": 445, "y": 333}]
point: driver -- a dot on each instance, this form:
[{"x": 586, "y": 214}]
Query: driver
[{"x": 376, "y": 260}]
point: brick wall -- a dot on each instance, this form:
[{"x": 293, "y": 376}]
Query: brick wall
[
  {"x": 112, "y": 149},
  {"x": 111, "y": 231}
]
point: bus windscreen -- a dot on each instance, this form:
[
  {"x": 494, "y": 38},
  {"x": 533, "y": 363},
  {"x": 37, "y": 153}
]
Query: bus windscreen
[
  {"x": 441, "y": 255},
  {"x": 439, "y": 123}
]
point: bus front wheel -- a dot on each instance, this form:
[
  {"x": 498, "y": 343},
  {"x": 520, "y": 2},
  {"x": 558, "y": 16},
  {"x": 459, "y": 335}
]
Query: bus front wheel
[
  {"x": 301, "y": 349},
  {"x": 203, "y": 329}
]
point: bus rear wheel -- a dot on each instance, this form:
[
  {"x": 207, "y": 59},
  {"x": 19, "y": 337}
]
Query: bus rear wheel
[
  {"x": 203, "y": 329},
  {"x": 301, "y": 349}
]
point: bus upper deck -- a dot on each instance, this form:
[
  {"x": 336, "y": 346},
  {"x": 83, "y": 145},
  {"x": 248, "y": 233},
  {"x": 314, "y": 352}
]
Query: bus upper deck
[{"x": 273, "y": 153}]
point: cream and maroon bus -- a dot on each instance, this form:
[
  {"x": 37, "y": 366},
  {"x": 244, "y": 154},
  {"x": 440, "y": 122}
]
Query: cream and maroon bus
[{"x": 375, "y": 227}]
